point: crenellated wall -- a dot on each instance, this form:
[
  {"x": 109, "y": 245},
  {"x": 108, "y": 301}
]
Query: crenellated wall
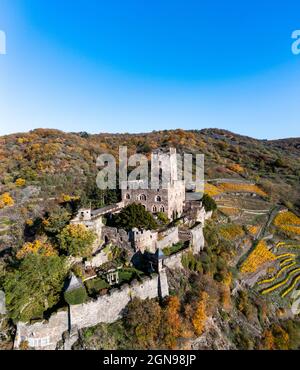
[
  {"x": 168, "y": 238},
  {"x": 105, "y": 309},
  {"x": 44, "y": 334}
]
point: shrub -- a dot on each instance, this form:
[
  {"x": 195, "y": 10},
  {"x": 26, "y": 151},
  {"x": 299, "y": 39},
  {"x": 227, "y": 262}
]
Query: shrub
[
  {"x": 96, "y": 285},
  {"x": 20, "y": 182},
  {"x": 163, "y": 218},
  {"x": 208, "y": 203}
]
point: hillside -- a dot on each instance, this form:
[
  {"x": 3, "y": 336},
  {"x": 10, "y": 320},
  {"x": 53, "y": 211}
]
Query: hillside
[
  {"x": 234, "y": 294},
  {"x": 55, "y": 165}
]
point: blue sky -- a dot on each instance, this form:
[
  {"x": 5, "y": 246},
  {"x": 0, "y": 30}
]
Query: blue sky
[{"x": 137, "y": 66}]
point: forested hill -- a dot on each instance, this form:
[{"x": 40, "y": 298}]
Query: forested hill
[{"x": 61, "y": 162}]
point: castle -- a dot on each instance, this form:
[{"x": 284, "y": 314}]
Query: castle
[{"x": 170, "y": 200}]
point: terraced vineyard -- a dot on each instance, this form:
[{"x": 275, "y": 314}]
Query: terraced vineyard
[
  {"x": 288, "y": 223},
  {"x": 286, "y": 279},
  {"x": 282, "y": 258}
]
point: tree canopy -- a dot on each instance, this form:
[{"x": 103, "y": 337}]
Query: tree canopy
[
  {"x": 77, "y": 240},
  {"x": 134, "y": 216},
  {"x": 34, "y": 287}
]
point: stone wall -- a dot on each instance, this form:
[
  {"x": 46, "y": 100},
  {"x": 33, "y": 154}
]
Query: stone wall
[
  {"x": 144, "y": 239},
  {"x": 174, "y": 261},
  {"x": 109, "y": 308},
  {"x": 97, "y": 260},
  {"x": 198, "y": 240},
  {"x": 168, "y": 238},
  {"x": 153, "y": 200},
  {"x": 43, "y": 335},
  {"x": 106, "y": 309},
  {"x": 118, "y": 237}
]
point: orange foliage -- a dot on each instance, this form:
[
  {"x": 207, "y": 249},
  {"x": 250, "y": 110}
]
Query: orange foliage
[
  {"x": 173, "y": 322},
  {"x": 37, "y": 247},
  {"x": 200, "y": 317},
  {"x": 6, "y": 200},
  {"x": 236, "y": 168}
]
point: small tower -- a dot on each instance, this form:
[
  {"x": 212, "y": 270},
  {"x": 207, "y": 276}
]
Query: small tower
[
  {"x": 85, "y": 214},
  {"x": 159, "y": 256}
]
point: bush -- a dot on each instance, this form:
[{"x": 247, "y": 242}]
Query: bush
[
  {"x": 208, "y": 203},
  {"x": 76, "y": 296},
  {"x": 96, "y": 285},
  {"x": 162, "y": 217}
]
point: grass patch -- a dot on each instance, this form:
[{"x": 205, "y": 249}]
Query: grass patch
[
  {"x": 6, "y": 222},
  {"x": 168, "y": 251},
  {"x": 94, "y": 286},
  {"x": 129, "y": 274}
]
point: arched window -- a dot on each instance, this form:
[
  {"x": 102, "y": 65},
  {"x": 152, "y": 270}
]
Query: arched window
[
  {"x": 158, "y": 198},
  {"x": 143, "y": 197},
  {"x": 162, "y": 209},
  {"x": 127, "y": 196},
  {"x": 154, "y": 209}
]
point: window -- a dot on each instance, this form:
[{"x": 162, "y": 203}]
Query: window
[
  {"x": 154, "y": 209},
  {"x": 158, "y": 198},
  {"x": 143, "y": 197},
  {"x": 162, "y": 209},
  {"x": 127, "y": 196}
]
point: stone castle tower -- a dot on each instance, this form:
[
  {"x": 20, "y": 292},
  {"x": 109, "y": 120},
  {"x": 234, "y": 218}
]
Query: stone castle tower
[{"x": 167, "y": 192}]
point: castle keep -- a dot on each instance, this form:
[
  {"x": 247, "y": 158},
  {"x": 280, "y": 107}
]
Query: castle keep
[
  {"x": 169, "y": 198},
  {"x": 147, "y": 245}
]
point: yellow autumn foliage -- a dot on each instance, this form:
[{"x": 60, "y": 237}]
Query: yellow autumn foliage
[
  {"x": 259, "y": 256},
  {"x": 231, "y": 232},
  {"x": 288, "y": 222},
  {"x": 253, "y": 230},
  {"x": 6, "y": 200},
  {"x": 281, "y": 283},
  {"x": 29, "y": 222},
  {"x": 287, "y": 218},
  {"x": 241, "y": 188},
  {"x": 65, "y": 198},
  {"x": 20, "y": 182},
  {"x": 211, "y": 190},
  {"x": 200, "y": 316},
  {"x": 37, "y": 247}
]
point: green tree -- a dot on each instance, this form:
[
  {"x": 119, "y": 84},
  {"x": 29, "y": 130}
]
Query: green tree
[
  {"x": 34, "y": 287},
  {"x": 77, "y": 240},
  {"x": 56, "y": 220},
  {"x": 134, "y": 216},
  {"x": 163, "y": 218},
  {"x": 208, "y": 203}
]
